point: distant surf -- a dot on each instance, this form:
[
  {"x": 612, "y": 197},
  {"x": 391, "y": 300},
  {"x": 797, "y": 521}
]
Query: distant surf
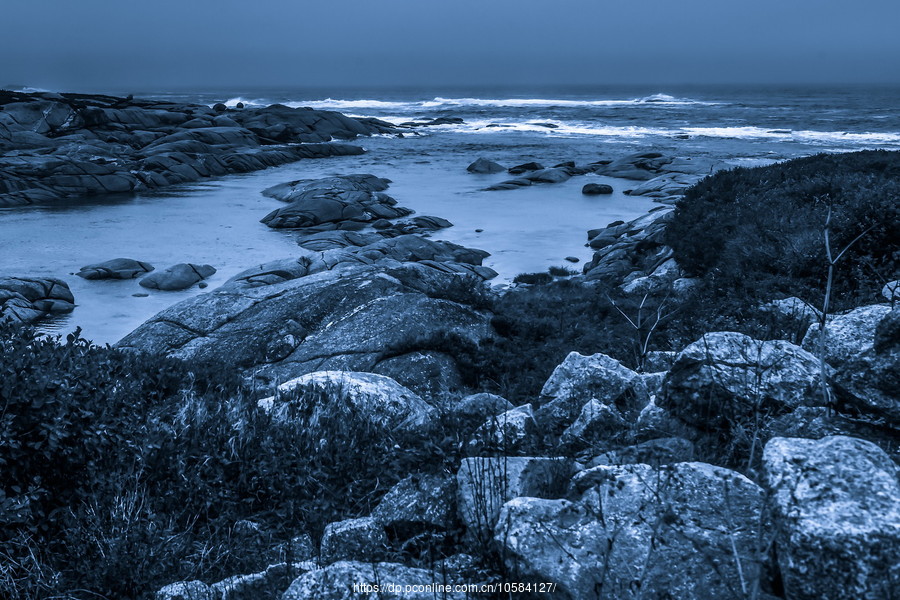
[
  {"x": 440, "y": 103},
  {"x": 774, "y": 121}
]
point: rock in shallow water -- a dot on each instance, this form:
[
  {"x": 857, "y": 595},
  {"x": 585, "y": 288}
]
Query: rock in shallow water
[
  {"x": 117, "y": 268},
  {"x": 596, "y": 189},
  {"x": 484, "y": 166},
  {"x": 28, "y": 299},
  {"x": 177, "y": 277}
]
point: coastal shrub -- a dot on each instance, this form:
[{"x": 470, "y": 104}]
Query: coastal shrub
[
  {"x": 758, "y": 232},
  {"x": 561, "y": 271},
  {"x": 123, "y": 472},
  {"x": 537, "y": 327},
  {"x": 533, "y": 278}
]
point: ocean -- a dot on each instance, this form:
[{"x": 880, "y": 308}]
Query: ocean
[
  {"x": 735, "y": 123},
  {"x": 526, "y": 230}
]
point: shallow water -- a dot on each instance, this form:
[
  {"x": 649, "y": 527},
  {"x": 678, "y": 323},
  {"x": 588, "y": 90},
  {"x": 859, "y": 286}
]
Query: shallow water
[{"x": 217, "y": 222}]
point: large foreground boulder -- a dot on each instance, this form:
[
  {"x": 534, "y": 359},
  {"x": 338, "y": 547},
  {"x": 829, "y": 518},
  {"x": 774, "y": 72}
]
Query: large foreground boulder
[
  {"x": 380, "y": 400},
  {"x": 580, "y": 379},
  {"x": 836, "y": 506},
  {"x": 846, "y": 334},
  {"x": 484, "y": 484},
  {"x": 726, "y": 377},
  {"x": 417, "y": 505},
  {"x": 354, "y": 539},
  {"x": 687, "y": 531},
  {"x": 867, "y": 383}
]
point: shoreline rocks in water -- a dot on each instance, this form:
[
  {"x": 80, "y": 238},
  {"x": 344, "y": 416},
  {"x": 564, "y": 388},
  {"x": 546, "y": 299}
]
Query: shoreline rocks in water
[
  {"x": 177, "y": 277},
  {"x": 347, "y": 202},
  {"x": 116, "y": 268},
  {"x": 58, "y": 146},
  {"x": 485, "y": 167},
  {"x": 27, "y": 299}
]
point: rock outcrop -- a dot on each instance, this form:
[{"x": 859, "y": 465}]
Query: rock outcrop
[
  {"x": 57, "y": 146},
  {"x": 334, "y": 311},
  {"x": 626, "y": 251},
  {"x": 345, "y": 202}
]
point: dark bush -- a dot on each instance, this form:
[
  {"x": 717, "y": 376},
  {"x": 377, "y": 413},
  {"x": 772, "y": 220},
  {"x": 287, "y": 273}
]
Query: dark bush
[
  {"x": 123, "y": 472},
  {"x": 758, "y": 232},
  {"x": 533, "y": 278}
]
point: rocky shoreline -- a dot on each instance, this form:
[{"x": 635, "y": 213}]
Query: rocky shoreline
[
  {"x": 602, "y": 485},
  {"x": 58, "y": 146}
]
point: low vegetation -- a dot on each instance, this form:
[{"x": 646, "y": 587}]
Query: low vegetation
[
  {"x": 758, "y": 232},
  {"x": 124, "y": 472}
]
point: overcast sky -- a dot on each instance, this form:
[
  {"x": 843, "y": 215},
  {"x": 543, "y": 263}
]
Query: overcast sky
[{"x": 123, "y": 45}]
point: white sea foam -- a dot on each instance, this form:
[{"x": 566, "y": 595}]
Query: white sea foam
[
  {"x": 828, "y": 137},
  {"x": 403, "y": 111},
  {"x": 233, "y": 102},
  {"x": 660, "y": 99},
  {"x": 441, "y": 103},
  {"x": 572, "y": 128},
  {"x": 331, "y": 104}
]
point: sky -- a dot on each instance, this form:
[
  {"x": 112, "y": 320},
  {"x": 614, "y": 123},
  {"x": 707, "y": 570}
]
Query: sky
[{"x": 120, "y": 46}]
